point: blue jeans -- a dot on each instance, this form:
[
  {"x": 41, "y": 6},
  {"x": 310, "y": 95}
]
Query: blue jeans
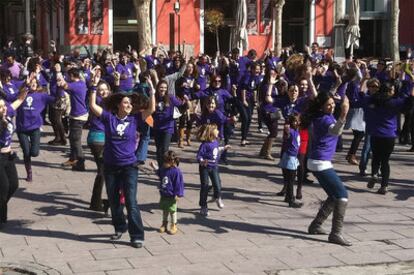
[
  {"x": 144, "y": 131},
  {"x": 125, "y": 177},
  {"x": 162, "y": 144},
  {"x": 331, "y": 183},
  {"x": 365, "y": 153},
  {"x": 205, "y": 174},
  {"x": 30, "y": 142}
]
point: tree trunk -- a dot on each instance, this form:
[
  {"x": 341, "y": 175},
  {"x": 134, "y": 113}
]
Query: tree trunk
[
  {"x": 142, "y": 10},
  {"x": 395, "y": 45},
  {"x": 278, "y": 6}
]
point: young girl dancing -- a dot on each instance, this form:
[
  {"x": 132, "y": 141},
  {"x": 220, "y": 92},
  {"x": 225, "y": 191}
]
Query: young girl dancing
[
  {"x": 208, "y": 157},
  {"x": 171, "y": 188},
  {"x": 289, "y": 162}
]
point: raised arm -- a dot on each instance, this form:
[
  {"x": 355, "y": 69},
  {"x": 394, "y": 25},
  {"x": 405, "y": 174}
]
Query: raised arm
[
  {"x": 95, "y": 108},
  {"x": 151, "y": 106}
]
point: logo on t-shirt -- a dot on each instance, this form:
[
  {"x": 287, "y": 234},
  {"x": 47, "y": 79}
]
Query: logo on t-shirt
[
  {"x": 29, "y": 102},
  {"x": 164, "y": 182},
  {"x": 120, "y": 129}
]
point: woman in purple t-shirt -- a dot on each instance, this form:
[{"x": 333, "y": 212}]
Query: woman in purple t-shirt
[
  {"x": 324, "y": 135},
  {"x": 29, "y": 120},
  {"x": 120, "y": 119},
  {"x": 9, "y": 181}
]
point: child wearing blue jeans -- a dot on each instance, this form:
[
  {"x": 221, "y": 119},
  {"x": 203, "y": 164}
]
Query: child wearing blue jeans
[{"x": 208, "y": 157}]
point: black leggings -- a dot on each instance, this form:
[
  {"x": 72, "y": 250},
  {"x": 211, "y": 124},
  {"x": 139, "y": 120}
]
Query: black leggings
[
  {"x": 358, "y": 136},
  {"x": 381, "y": 152},
  {"x": 289, "y": 177},
  {"x": 8, "y": 183},
  {"x": 97, "y": 152}
]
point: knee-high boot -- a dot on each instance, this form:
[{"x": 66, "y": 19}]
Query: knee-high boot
[
  {"x": 96, "y": 199},
  {"x": 337, "y": 223},
  {"x": 316, "y": 225},
  {"x": 28, "y": 166}
]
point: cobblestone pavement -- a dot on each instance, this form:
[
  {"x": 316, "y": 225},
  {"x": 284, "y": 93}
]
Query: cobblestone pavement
[{"x": 256, "y": 233}]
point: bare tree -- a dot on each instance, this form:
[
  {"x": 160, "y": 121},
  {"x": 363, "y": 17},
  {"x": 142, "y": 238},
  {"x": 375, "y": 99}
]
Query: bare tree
[
  {"x": 395, "y": 15},
  {"x": 278, "y": 14},
  {"x": 142, "y": 10}
]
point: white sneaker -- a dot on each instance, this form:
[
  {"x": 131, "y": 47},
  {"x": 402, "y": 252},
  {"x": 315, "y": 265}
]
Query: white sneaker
[
  {"x": 204, "y": 211},
  {"x": 220, "y": 203}
]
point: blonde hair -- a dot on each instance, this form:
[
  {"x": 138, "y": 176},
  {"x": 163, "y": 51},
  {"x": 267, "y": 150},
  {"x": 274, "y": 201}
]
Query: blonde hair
[{"x": 206, "y": 132}]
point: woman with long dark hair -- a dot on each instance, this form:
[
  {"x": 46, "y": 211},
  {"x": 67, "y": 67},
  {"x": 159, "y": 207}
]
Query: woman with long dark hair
[
  {"x": 121, "y": 119},
  {"x": 324, "y": 136},
  {"x": 381, "y": 110}
]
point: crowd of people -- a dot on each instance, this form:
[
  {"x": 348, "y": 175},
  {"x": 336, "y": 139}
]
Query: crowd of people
[{"x": 125, "y": 98}]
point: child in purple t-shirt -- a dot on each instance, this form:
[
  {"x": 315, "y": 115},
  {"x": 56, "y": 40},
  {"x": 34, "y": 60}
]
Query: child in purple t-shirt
[
  {"x": 171, "y": 188},
  {"x": 208, "y": 157},
  {"x": 289, "y": 162}
]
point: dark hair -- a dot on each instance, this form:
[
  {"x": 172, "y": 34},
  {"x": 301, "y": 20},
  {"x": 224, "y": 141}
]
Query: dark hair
[
  {"x": 33, "y": 62},
  {"x": 316, "y": 105},
  {"x": 138, "y": 101},
  {"x": 171, "y": 158},
  {"x": 4, "y": 73},
  {"x": 381, "y": 98},
  {"x": 252, "y": 53},
  {"x": 209, "y": 99},
  {"x": 74, "y": 72},
  {"x": 166, "y": 97},
  {"x": 235, "y": 51}
]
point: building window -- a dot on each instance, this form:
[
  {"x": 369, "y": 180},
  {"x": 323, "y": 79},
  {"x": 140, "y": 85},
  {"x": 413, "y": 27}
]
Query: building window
[
  {"x": 252, "y": 16},
  {"x": 266, "y": 17}
]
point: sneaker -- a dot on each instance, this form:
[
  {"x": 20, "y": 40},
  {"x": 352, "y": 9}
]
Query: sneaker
[
  {"x": 137, "y": 243},
  {"x": 295, "y": 204},
  {"x": 220, "y": 203},
  {"x": 116, "y": 236},
  {"x": 383, "y": 190},
  {"x": 204, "y": 211},
  {"x": 260, "y": 130},
  {"x": 372, "y": 181}
]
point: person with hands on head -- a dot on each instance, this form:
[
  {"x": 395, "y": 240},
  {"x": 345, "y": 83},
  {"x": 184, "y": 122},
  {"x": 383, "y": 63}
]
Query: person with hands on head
[
  {"x": 324, "y": 136},
  {"x": 120, "y": 117}
]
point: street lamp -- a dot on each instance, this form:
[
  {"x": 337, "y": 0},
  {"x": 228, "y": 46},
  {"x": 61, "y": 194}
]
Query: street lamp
[{"x": 177, "y": 12}]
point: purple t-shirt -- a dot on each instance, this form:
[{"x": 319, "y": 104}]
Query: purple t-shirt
[
  {"x": 77, "y": 91},
  {"x": 126, "y": 70},
  {"x": 266, "y": 106},
  {"x": 209, "y": 151},
  {"x": 291, "y": 143},
  {"x": 164, "y": 115},
  {"x": 120, "y": 139},
  {"x": 29, "y": 114},
  {"x": 323, "y": 144},
  {"x": 151, "y": 61},
  {"x": 216, "y": 117},
  {"x": 250, "y": 83},
  {"x": 171, "y": 182},
  {"x": 203, "y": 71},
  {"x": 11, "y": 91},
  {"x": 7, "y": 133}
]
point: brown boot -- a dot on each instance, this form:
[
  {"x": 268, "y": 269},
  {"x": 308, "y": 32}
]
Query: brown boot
[
  {"x": 188, "y": 137},
  {"x": 268, "y": 148},
  {"x": 173, "y": 230},
  {"x": 163, "y": 227},
  {"x": 180, "y": 138}
]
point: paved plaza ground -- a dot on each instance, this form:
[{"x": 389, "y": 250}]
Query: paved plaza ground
[{"x": 51, "y": 228}]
